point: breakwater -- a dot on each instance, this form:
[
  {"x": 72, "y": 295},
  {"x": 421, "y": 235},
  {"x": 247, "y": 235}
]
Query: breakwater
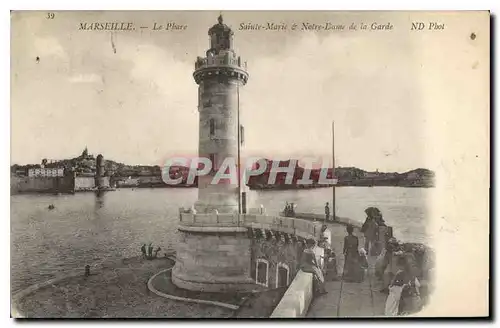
[
  {"x": 41, "y": 184},
  {"x": 64, "y": 185}
]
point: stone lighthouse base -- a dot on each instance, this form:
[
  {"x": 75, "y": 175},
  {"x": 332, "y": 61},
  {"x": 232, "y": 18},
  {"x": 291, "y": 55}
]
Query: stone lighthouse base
[
  {"x": 214, "y": 286},
  {"x": 213, "y": 259}
]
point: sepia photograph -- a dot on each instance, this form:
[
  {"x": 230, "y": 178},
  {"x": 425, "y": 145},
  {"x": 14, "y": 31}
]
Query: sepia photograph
[{"x": 249, "y": 164}]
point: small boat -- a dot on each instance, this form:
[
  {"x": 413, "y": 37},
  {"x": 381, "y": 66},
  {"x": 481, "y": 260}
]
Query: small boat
[{"x": 51, "y": 207}]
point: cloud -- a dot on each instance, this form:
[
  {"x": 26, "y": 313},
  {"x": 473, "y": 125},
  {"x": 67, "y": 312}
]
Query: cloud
[{"x": 49, "y": 46}]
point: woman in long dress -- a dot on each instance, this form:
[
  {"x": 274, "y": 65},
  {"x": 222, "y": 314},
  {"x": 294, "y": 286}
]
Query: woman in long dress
[
  {"x": 352, "y": 272},
  {"x": 309, "y": 264}
]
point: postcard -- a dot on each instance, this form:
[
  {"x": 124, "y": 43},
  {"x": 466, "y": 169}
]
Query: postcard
[{"x": 250, "y": 164}]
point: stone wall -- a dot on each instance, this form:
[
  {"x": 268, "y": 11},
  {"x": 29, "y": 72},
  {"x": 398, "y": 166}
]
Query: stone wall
[
  {"x": 84, "y": 183},
  {"x": 41, "y": 184}
]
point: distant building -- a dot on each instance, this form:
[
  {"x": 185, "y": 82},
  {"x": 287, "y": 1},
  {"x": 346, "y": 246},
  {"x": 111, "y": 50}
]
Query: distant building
[
  {"x": 372, "y": 174},
  {"x": 46, "y": 172},
  {"x": 145, "y": 172},
  {"x": 20, "y": 172}
]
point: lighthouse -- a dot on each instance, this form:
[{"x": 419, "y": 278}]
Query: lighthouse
[
  {"x": 220, "y": 75},
  {"x": 213, "y": 253}
]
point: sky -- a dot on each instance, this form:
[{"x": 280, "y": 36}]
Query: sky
[{"x": 130, "y": 95}]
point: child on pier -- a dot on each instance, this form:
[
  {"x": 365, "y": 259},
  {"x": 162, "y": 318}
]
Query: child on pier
[
  {"x": 363, "y": 262},
  {"x": 331, "y": 273}
]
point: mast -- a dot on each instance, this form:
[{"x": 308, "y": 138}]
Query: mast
[
  {"x": 333, "y": 171},
  {"x": 239, "y": 159}
]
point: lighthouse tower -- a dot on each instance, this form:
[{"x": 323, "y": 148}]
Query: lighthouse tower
[
  {"x": 213, "y": 253},
  {"x": 219, "y": 75}
]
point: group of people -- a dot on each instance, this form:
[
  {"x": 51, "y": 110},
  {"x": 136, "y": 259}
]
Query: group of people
[
  {"x": 322, "y": 266},
  {"x": 289, "y": 210},
  {"x": 396, "y": 267},
  {"x": 321, "y": 260},
  {"x": 147, "y": 252},
  {"x": 400, "y": 273}
]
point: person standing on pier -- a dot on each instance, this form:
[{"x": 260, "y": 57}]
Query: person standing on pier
[
  {"x": 352, "y": 272},
  {"x": 327, "y": 213},
  {"x": 287, "y": 210},
  {"x": 370, "y": 230},
  {"x": 292, "y": 209},
  {"x": 326, "y": 237}
]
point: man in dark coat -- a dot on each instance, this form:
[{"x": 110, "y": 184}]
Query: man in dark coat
[
  {"x": 370, "y": 229},
  {"x": 327, "y": 212}
]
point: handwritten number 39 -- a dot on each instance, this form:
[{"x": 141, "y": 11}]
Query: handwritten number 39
[{"x": 50, "y": 15}]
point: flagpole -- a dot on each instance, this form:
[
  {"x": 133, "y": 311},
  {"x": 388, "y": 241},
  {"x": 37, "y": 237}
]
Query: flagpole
[
  {"x": 334, "y": 212},
  {"x": 239, "y": 159}
]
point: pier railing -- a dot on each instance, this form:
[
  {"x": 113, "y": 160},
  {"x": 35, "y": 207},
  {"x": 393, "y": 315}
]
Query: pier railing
[{"x": 301, "y": 228}]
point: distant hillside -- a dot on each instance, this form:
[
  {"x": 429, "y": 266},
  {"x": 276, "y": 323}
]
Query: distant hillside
[{"x": 347, "y": 176}]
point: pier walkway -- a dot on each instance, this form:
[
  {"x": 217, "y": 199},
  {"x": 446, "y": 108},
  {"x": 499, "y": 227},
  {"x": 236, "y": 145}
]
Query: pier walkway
[{"x": 347, "y": 299}]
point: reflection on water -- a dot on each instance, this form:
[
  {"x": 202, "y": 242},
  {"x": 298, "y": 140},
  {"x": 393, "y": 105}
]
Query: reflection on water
[
  {"x": 92, "y": 228},
  {"x": 99, "y": 199}
]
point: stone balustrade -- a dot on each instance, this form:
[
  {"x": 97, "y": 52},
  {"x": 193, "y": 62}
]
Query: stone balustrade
[
  {"x": 225, "y": 58},
  {"x": 300, "y": 228}
]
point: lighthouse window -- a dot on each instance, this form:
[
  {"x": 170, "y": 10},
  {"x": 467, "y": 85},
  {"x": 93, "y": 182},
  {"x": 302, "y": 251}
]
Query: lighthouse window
[{"x": 212, "y": 127}]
